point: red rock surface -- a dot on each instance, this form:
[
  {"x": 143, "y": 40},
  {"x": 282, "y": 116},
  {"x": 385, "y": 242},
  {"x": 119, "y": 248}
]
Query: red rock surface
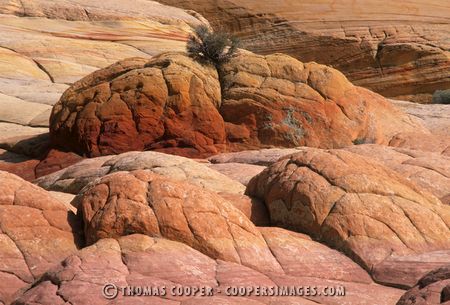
[
  {"x": 355, "y": 205},
  {"x": 173, "y": 104},
  {"x": 169, "y": 104},
  {"x": 254, "y": 209},
  {"x": 55, "y": 160},
  {"x": 25, "y": 152},
  {"x": 142, "y": 202},
  {"x": 19, "y": 165},
  {"x": 36, "y": 233},
  {"x": 276, "y": 100},
  {"x": 30, "y": 168},
  {"x": 432, "y": 289},
  {"x": 142, "y": 260}
]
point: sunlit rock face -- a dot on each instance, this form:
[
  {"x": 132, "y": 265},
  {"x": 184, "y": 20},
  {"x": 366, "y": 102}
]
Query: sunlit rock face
[
  {"x": 47, "y": 45},
  {"x": 396, "y": 49},
  {"x": 173, "y": 104}
]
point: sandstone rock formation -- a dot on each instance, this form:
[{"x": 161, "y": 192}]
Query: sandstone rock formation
[
  {"x": 17, "y": 164},
  {"x": 429, "y": 170},
  {"x": 47, "y": 45},
  {"x": 238, "y": 171},
  {"x": 396, "y": 49},
  {"x": 169, "y": 103},
  {"x": 142, "y": 202},
  {"x": 55, "y": 160},
  {"x": 173, "y": 104},
  {"x": 435, "y": 117},
  {"x": 143, "y": 260},
  {"x": 433, "y": 288},
  {"x": 176, "y": 221},
  {"x": 353, "y": 204},
  {"x": 262, "y": 157},
  {"x": 254, "y": 209},
  {"x": 25, "y": 151},
  {"x": 73, "y": 178},
  {"x": 36, "y": 233},
  {"x": 276, "y": 100},
  {"x": 418, "y": 141}
]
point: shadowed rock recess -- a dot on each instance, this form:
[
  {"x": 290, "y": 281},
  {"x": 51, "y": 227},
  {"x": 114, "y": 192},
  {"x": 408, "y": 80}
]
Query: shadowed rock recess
[
  {"x": 173, "y": 104},
  {"x": 433, "y": 288}
]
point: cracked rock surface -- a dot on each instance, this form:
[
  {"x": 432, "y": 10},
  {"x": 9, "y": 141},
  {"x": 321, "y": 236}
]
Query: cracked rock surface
[
  {"x": 151, "y": 261},
  {"x": 433, "y": 288},
  {"x": 73, "y": 178},
  {"x": 374, "y": 219},
  {"x": 173, "y": 104},
  {"x": 276, "y": 100},
  {"x": 141, "y": 202},
  {"x": 47, "y": 45},
  {"x": 169, "y": 103},
  {"x": 36, "y": 233},
  {"x": 353, "y": 204},
  {"x": 429, "y": 170}
]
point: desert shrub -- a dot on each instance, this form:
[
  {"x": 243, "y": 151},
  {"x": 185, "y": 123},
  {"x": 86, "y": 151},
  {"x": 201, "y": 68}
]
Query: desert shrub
[
  {"x": 441, "y": 97},
  {"x": 359, "y": 141},
  {"x": 207, "y": 46}
]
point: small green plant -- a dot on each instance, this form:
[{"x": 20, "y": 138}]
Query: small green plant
[
  {"x": 210, "y": 47},
  {"x": 358, "y": 141},
  {"x": 441, "y": 97}
]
